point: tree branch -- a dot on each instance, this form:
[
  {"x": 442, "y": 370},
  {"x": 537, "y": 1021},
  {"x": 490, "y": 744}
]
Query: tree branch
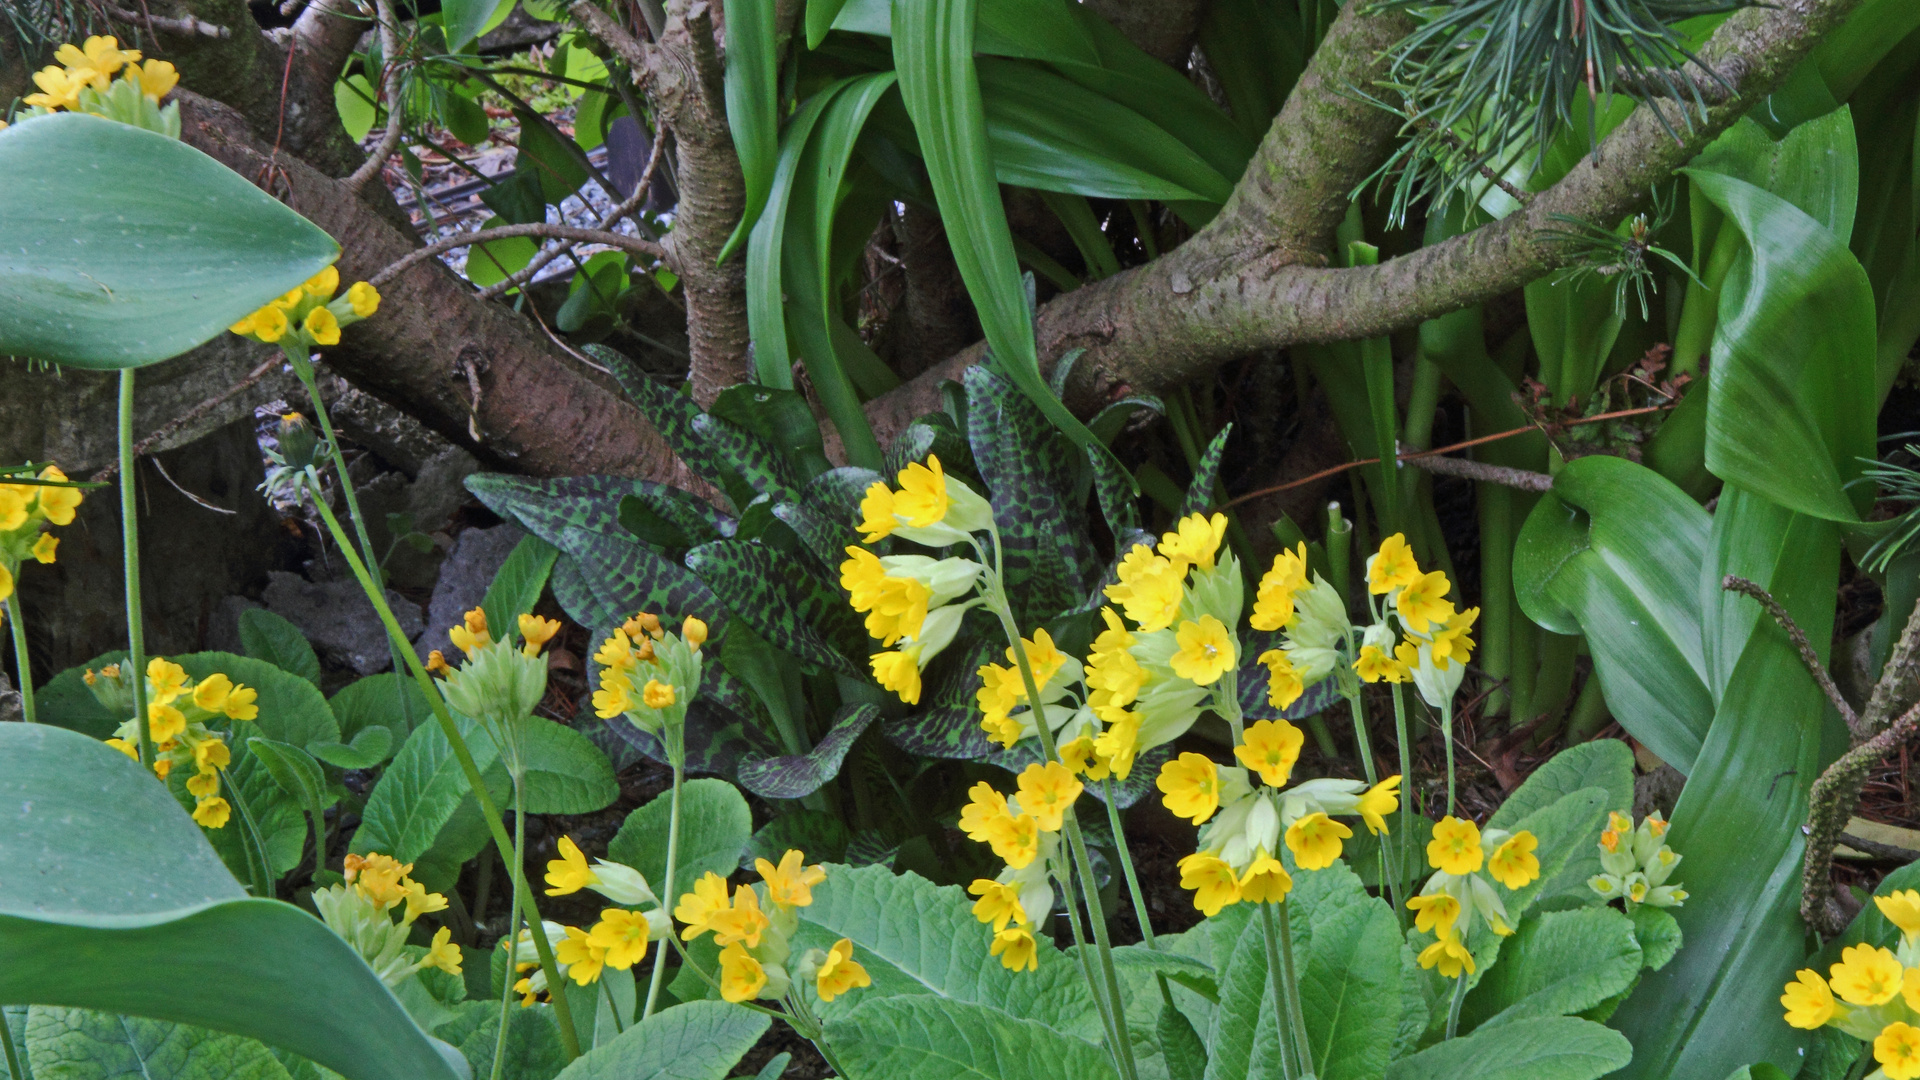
[
  {"x": 160, "y": 24},
  {"x": 1830, "y": 805},
  {"x": 396, "y": 115},
  {"x": 637, "y": 245}
]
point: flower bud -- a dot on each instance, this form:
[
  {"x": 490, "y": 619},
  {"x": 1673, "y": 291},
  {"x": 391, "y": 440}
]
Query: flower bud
[
  {"x": 808, "y": 966},
  {"x": 778, "y": 982},
  {"x": 298, "y": 444}
]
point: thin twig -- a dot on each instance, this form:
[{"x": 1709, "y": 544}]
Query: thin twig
[
  {"x": 164, "y": 475},
  {"x": 1524, "y": 479},
  {"x": 481, "y": 236},
  {"x": 1830, "y": 805},
  {"x": 1735, "y": 583},
  {"x": 1878, "y": 850},
  {"x": 185, "y": 27},
  {"x": 1436, "y": 451},
  {"x": 1519, "y": 195},
  {"x": 166, "y": 430},
  {"x": 1897, "y": 678},
  {"x": 396, "y": 115}
]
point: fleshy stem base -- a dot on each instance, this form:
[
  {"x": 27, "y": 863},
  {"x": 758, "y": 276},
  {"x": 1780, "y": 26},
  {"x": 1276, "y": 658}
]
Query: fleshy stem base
[
  {"x": 130, "y": 552},
  {"x": 513, "y": 928},
  {"x": 676, "y": 742}
]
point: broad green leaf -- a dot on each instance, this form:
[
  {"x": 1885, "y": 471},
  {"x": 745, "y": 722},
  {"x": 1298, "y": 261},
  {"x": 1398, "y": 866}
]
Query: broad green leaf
[
  {"x": 1560, "y": 963},
  {"x": 1237, "y": 1049},
  {"x": 1256, "y": 52},
  {"x": 1603, "y": 763},
  {"x": 700, "y": 1040},
  {"x": 785, "y": 602},
  {"x": 533, "y": 1049},
  {"x": 517, "y": 585},
  {"x": 297, "y": 774},
  {"x": 933, "y": 52},
  {"x": 1792, "y": 371},
  {"x": 566, "y": 773},
  {"x": 1349, "y": 964},
  {"x": 766, "y": 296},
  {"x": 887, "y": 1038},
  {"x": 420, "y": 790},
  {"x": 465, "y": 20},
  {"x": 753, "y": 67},
  {"x": 375, "y": 702},
  {"x": 1658, "y": 934},
  {"x": 1816, "y": 167},
  {"x": 1614, "y": 552},
  {"x": 1180, "y": 1045},
  {"x": 1190, "y": 972},
  {"x": 132, "y": 912},
  {"x": 794, "y": 776},
  {"x": 267, "y": 636},
  {"x": 370, "y": 747},
  {"x": 80, "y": 1044},
  {"x": 495, "y": 261},
  {"x": 715, "y": 825},
  {"x": 100, "y": 273},
  {"x": 1556, "y": 1048},
  {"x": 782, "y": 418},
  {"x": 551, "y": 155},
  {"x": 353, "y": 98}
]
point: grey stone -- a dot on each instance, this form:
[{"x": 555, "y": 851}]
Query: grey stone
[
  {"x": 338, "y": 620},
  {"x": 440, "y": 489},
  {"x": 476, "y": 556},
  {"x": 1658, "y": 790},
  {"x": 223, "y": 628}
]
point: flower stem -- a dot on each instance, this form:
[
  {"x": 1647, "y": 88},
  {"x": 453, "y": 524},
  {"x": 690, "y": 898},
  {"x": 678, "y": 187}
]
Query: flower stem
[
  {"x": 1276, "y": 976},
  {"x": 515, "y": 868},
  {"x": 6, "y": 1042},
  {"x": 1126, "y": 864},
  {"x": 1453, "y": 1007},
  {"x": 1294, "y": 1011},
  {"x": 1362, "y": 742},
  {"x": 569, "y": 1039},
  {"x": 1446, "y": 731},
  {"x": 1084, "y": 954},
  {"x": 20, "y": 659},
  {"x": 130, "y": 552},
  {"x": 676, "y": 750}
]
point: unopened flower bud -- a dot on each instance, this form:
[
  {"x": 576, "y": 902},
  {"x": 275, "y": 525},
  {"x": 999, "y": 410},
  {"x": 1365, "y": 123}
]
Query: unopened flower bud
[{"x": 297, "y": 442}]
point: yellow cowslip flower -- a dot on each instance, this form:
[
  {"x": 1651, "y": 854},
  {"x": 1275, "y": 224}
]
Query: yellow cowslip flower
[
  {"x": 898, "y": 608},
  {"x": 621, "y": 936},
  {"x": 1000, "y": 690},
  {"x": 363, "y": 298},
  {"x": 1150, "y": 588},
  {"x": 1283, "y": 681},
  {"x": 211, "y": 754},
  {"x": 1043, "y": 657},
  {"x": 644, "y": 623},
  {"x": 1422, "y": 602},
  {"x": 437, "y": 665},
  {"x": 1212, "y": 881},
  {"x": 1897, "y": 1049},
  {"x": 839, "y": 972},
  {"x": 569, "y": 873},
  {"x": 791, "y": 883},
  {"x": 443, "y": 953},
  {"x": 999, "y": 903},
  {"x": 1082, "y": 757},
  {"x": 1377, "y": 802},
  {"x": 1808, "y": 1001},
  {"x": 1449, "y": 955},
  {"x": 1393, "y": 567},
  {"x": 697, "y": 908},
  {"x": 212, "y": 813},
  {"x": 382, "y": 878},
  {"x": 693, "y": 631},
  {"x": 1315, "y": 841},
  {"x": 471, "y": 635},
  {"x": 985, "y": 808},
  {"x": 58, "y": 89},
  {"x": 536, "y": 632},
  {"x": 899, "y": 673},
  {"x": 13, "y": 507},
  {"x": 1435, "y": 913},
  {"x": 1119, "y": 744},
  {"x": 1902, "y": 909},
  {"x": 1375, "y": 664},
  {"x": 741, "y": 976},
  {"x": 1271, "y": 749},
  {"x": 1191, "y": 786},
  {"x": 95, "y": 61},
  {"x": 58, "y": 503},
  {"x": 164, "y": 765},
  {"x": 44, "y": 547},
  {"x": 1195, "y": 540},
  {"x": 581, "y": 957},
  {"x": 1455, "y": 847},
  {"x": 166, "y": 681},
  {"x": 211, "y": 692},
  {"x": 156, "y": 78},
  {"x": 1273, "y": 602},
  {"x": 1016, "y": 840},
  {"x": 125, "y": 747},
  {"x": 323, "y": 284},
  {"x": 1047, "y": 791},
  {"x": 657, "y": 695},
  {"x": 165, "y": 723},
  {"x": 240, "y": 703},
  {"x": 876, "y": 513},
  {"x": 1867, "y": 975},
  {"x": 421, "y": 902},
  {"x": 1910, "y": 988},
  {"x": 267, "y": 324},
  {"x": 1266, "y": 880},
  {"x": 922, "y": 498},
  {"x": 615, "y": 695},
  {"x": 1206, "y": 651},
  {"x": 1450, "y": 640},
  {"x": 1513, "y": 863},
  {"x": 1114, "y": 680},
  {"x": 743, "y": 921},
  {"x": 203, "y": 784},
  {"x": 1016, "y": 949},
  {"x": 616, "y": 652}
]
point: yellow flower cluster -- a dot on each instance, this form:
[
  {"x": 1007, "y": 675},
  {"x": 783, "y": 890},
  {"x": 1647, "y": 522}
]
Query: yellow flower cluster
[
  {"x": 1636, "y": 863},
  {"x": 1243, "y": 826},
  {"x": 1023, "y": 830},
  {"x": 1002, "y": 690},
  {"x": 178, "y": 711},
  {"x": 1463, "y": 857},
  {"x": 86, "y": 72},
  {"x": 619, "y": 940},
  {"x": 310, "y": 315},
  {"x": 24, "y": 509},
  {"x": 642, "y": 649},
  {"x": 1878, "y": 991},
  {"x": 361, "y": 912},
  {"x": 755, "y": 941},
  {"x": 914, "y": 601}
]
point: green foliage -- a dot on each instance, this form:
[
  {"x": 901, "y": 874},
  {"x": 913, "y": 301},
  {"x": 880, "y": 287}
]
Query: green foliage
[
  {"x": 947, "y": 1040},
  {"x": 105, "y": 274},
  {"x": 517, "y": 585},
  {"x": 715, "y": 826},
  {"x": 1556, "y": 1048},
  {"x": 701, "y": 1040},
  {"x": 77, "y": 1044},
  {"x": 269, "y": 637}
]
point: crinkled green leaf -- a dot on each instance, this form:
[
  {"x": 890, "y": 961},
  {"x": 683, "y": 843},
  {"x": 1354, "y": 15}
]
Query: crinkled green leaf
[
  {"x": 420, "y": 791},
  {"x": 80, "y": 1044},
  {"x": 566, "y": 773},
  {"x": 370, "y": 747},
  {"x": 533, "y": 1042},
  {"x": 887, "y": 1038},
  {"x": 793, "y": 776},
  {"x": 715, "y": 826},
  {"x": 1555, "y": 1048},
  {"x": 375, "y": 702},
  {"x": 269, "y": 637},
  {"x": 1658, "y": 934},
  {"x": 700, "y": 1040},
  {"x": 1603, "y": 763},
  {"x": 1559, "y": 963}
]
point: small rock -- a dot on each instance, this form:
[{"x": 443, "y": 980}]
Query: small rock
[
  {"x": 476, "y": 556},
  {"x": 223, "y": 628},
  {"x": 338, "y": 620},
  {"x": 441, "y": 488},
  {"x": 1658, "y": 790},
  {"x": 11, "y": 706}
]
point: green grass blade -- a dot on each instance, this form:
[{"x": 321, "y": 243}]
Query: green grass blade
[{"x": 753, "y": 69}]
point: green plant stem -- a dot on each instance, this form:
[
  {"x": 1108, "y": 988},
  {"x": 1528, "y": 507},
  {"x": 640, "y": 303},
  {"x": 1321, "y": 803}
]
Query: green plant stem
[
  {"x": 1084, "y": 955},
  {"x": 1453, "y": 1007},
  {"x": 1589, "y": 712},
  {"x": 686, "y": 959},
  {"x": 515, "y": 868},
  {"x": 488, "y": 809},
  {"x": 1297, "y": 1016},
  {"x": 1276, "y": 976},
  {"x": 1339, "y": 549},
  {"x": 20, "y": 659},
  {"x": 1496, "y": 590},
  {"x": 1446, "y": 733},
  {"x": 1322, "y": 737},
  {"x": 1126, "y": 864},
  {"x": 1083, "y": 864},
  {"x": 1363, "y": 744},
  {"x": 130, "y": 552},
  {"x": 676, "y": 750},
  {"x": 6, "y": 1042},
  {"x": 1403, "y": 856}
]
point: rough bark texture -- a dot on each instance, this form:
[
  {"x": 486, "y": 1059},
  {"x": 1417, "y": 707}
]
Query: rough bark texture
[
  {"x": 1163, "y": 29},
  {"x": 938, "y": 314},
  {"x": 537, "y": 410}
]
